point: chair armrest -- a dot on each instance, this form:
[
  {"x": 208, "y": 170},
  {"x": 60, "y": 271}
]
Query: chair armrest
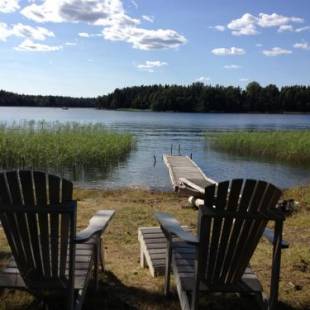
[
  {"x": 97, "y": 225},
  {"x": 172, "y": 226},
  {"x": 269, "y": 235}
]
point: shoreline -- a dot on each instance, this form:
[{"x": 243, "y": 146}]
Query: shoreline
[{"x": 68, "y": 107}]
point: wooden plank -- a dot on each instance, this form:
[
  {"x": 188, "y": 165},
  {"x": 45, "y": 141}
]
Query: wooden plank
[
  {"x": 41, "y": 199},
  {"x": 182, "y": 167},
  {"x": 4, "y": 191},
  {"x": 54, "y": 197},
  {"x": 67, "y": 190},
  {"x": 153, "y": 248},
  {"x": 27, "y": 187}
]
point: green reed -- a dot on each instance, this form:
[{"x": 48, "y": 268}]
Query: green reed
[
  {"x": 58, "y": 145},
  {"x": 288, "y": 146}
]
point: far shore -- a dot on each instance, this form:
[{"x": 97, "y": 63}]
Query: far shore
[{"x": 166, "y": 111}]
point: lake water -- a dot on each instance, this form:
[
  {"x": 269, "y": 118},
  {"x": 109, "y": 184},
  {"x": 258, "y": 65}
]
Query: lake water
[{"x": 156, "y": 132}]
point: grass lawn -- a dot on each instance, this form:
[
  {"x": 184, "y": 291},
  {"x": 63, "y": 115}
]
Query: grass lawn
[{"x": 126, "y": 286}]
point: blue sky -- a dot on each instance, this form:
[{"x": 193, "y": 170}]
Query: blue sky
[{"x": 91, "y": 47}]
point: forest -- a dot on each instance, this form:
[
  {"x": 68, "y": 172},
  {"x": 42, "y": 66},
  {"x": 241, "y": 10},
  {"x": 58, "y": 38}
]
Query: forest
[
  {"x": 14, "y": 100},
  {"x": 196, "y": 97}
]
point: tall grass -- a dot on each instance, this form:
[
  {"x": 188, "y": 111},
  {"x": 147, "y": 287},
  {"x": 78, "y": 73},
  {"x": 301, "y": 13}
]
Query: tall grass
[
  {"x": 59, "y": 145},
  {"x": 287, "y": 146}
]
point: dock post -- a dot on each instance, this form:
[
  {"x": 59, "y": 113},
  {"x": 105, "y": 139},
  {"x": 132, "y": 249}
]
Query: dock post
[
  {"x": 179, "y": 149},
  {"x": 171, "y": 149}
]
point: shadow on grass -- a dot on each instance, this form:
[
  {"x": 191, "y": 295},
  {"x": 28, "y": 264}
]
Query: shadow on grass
[{"x": 113, "y": 294}]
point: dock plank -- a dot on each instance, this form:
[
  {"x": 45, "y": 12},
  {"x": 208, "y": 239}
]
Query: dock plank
[{"x": 182, "y": 168}]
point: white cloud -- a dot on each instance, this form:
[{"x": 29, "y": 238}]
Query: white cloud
[
  {"x": 148, "y": 18},
  {"x": 232, "y": 67},
  {"x": 247, "y": 24},
  {"x": 5, "y": 32},
  {"x": 244, "y": 80},
  {"x": 111, "y": 15},
  {"x": 232, "y": 51},
  {"x": 306, "y": 28},
  {"x": 286, "y": 28},
  {"x": 218, "y": 28},
  {"x": 203, "y": 79},
  {"x": 259, "y": 45},
  {"x": 70, "y": 43},
  {"x": 30, "y": 46},
  {"x": 276, "y": 51},
  {"x": 34, "y": 33},
  {"x": 275, "y": 20},
  {"x": 145, "y": 39},
  {"x": 303, "y": 45},
  {"x": 24, "y": 31},
  {"x": 89, "y": 35},
  {"x": 90, "y": 11},
  {"x": 9, "y": 6},
  {"x": 84, "y": 34},
  {"x": 151, "y": 65}
]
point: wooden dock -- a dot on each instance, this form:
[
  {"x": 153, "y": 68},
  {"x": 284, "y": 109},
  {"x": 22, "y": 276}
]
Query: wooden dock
[{"x": 185, "y": 175}]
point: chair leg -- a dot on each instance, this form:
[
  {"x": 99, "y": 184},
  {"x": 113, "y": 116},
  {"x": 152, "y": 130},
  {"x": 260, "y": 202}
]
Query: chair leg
[
  {"x": 276, "y": 263},
  {"x": 101, "y": 254},
  {"x": 262, "y": 301},
  {"x": 96, "y": 260},
  {"x": 168, "y": 266}
]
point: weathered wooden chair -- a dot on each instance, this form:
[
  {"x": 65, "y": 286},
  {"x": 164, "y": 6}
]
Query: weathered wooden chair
[
  {"x": 230, "y": 224},
  {"x": 50, "y": 260}
]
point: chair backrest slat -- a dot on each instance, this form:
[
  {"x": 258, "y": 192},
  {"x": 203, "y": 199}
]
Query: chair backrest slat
[
  {"x": 271, "y": 197},
  {"x": 4, "y": 190},
  {"x": 28, "y": 188},
  {"x": 67, "y": 189},
  {"x": 246, "y": 235},
  {"x": 64, "y": 232},
  {"x": 204, "y": 228},
  {"x": 40, "y": 187},
  {"x": 231, "y": 251},
  {"x": 232, "y": 205},
  {"x": 43, "y": 225},
  {"x": 220, "y": 202},
  {"x": 227, "y": 243},
  {"x": 27, "y": 184},
  {"x": 13, "y": 182},
  {"x": 41, "y": 233},
  {"x": 13, "y": 179},
  {"x": 54, "y": 184}
]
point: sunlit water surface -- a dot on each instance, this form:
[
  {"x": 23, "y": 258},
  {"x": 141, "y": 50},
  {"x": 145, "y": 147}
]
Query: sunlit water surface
[{"x": 156, "y": 132}]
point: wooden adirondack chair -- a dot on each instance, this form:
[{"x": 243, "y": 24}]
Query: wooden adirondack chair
[
  {"x": 50, "y": 259},
  {"x": 230, "y": 225}
]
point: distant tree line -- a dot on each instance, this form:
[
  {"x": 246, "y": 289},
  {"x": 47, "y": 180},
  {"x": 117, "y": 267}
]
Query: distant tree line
[
  {"x": 206, "y": 98},
  {"x": 196, "y": 97},
  {"x": 12, "y": 99}
]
